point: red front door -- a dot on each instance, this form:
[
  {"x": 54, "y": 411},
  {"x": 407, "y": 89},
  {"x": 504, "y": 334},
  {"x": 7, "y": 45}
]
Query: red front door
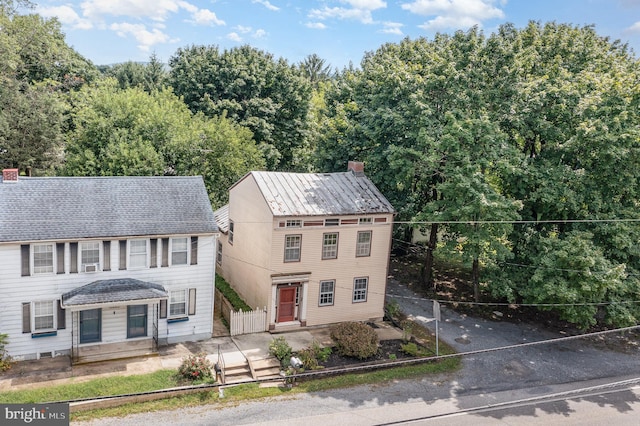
[{"x": 287, "y": 304}]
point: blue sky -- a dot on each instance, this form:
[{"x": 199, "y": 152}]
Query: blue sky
[{"x": 339, "y": 31}]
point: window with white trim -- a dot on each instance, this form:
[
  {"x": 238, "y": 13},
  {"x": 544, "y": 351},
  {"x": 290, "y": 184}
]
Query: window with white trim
[
  {"x": 331, "y": 222},
  {"x": 327, "y": 289},
  {"x": 219, "y": 253},
  {"x": 363, "y": 245},
  {"x": 43, "y": 315},
  {"x": 42, "y": 258},
  {"x": 360, "y": 289},
  {"x": 293, "y": 223},
  {"x": 292, "y": 246},
  {"x": 90, "y": 256},
  {"x": 365, "y": 221},
  {"x": 138, "y": 254},
  {"x": 231, "y": 228},
  {"x": 177, "y": 303},
  {"x": 179, "y": 251},
  {"x": 330, "y": 245}
]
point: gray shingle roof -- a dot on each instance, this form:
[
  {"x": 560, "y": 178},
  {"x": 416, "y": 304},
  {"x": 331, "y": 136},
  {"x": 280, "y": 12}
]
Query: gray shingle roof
[
  {"x": 113, "y": 291},
  {"x": 54, "y": 208},
  {"x": 318, "y": 194}
]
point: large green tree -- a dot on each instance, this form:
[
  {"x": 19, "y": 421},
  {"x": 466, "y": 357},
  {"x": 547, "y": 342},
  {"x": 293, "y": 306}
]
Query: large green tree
[{"x": 250, "y": 87}]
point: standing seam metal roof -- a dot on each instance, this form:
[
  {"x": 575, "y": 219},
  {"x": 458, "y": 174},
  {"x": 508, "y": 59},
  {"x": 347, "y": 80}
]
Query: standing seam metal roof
[{"x": 320, "y": 194}]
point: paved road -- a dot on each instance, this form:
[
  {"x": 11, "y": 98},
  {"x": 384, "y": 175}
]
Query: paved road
[{"x": 486, "y": 378}]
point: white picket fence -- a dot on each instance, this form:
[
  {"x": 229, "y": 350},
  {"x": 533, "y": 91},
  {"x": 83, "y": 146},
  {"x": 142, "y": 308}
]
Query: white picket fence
[{"x": 248, "y": 322}]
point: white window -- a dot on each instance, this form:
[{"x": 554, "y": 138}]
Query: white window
[
  {"x": 231, "y": 232},
  {"x": 331, "y": 222},
  {"x": 177, "y": 303},
  {"x": 90, "y": 256},
  {"x": 138, "y": 254},
  {"x": 43, "y": 315},
  {"x": 360, "y": 289},
  {"x": 293, "y": 223},
  {"x": 365, "y": 221},
  {"x": 326, "y": 292},
  {"x": 363, "y": 246},
  {"x": 292, "y": 247},
  {"x": 179, "y": 251},
  {"x": 330, "y": 246},
  {"x": 42, "y": 258}
]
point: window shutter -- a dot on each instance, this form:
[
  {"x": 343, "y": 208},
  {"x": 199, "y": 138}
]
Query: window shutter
[
  {"x": 60, "y": 258},
  {"x": 62, "y": 324},
  {"x": 123, "y": 255},
  {"x": 25, "y": 253},
  {"x": 194, "y": 250},
  {"x": 154, "y": 253},
  {"x": 165, "y": 252},
  {"x": 192, "y": 301},
  {"x": 73, "y": 250},
  {"x": 163, "y": 308},
  {"x": 106, "y": 255},
  {"x": 26, "y": 317}
]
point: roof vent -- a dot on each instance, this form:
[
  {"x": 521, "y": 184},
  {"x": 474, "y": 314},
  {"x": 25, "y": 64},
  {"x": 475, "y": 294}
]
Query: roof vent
[
  {"x": 356, "y": 167},
  {"x": 10, "y": 175}
]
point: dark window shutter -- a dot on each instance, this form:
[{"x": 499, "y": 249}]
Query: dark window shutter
[
  {"x": 163, "y": 308},
  {"x": 25, "y": 253},
  {"x": 62, "y": 324},
  {"x": 192, "y": 301},
  {"x": 123, "y": 255},
  {"x": 73, "y": 250},
  {"x": 154, "y": 253},
  {"x": 60, "y": 258},
  {"x": 26, "y": 317},
  {"x": 165, "y": 252},
  {"x": 106, "y": 255},
  {"x": 194, "y": 250}
]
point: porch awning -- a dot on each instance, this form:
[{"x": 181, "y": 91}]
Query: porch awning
[{"x": 110, "y": 292}]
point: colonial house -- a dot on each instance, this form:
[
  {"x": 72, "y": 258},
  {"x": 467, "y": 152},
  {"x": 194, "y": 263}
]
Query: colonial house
[
  {"x": 312, "y": 248},
  {"x": 104, "y": 267}
]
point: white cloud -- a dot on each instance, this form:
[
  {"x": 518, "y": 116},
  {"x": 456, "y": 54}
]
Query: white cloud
[
  {"x": 634, "y": 29},
  {"x": 260, "y": 33},
  {"x": 146, "y": 39},
  {"x": 360, "y": 10},
  {"x": 454, "y": 13},
  {"x": 316, "y": 25},
  {"x": 234, "y": 37},
  {"x": 67, "y": 16},
  {"x": 206, "y": 17},
  {"x": 392, "y": 28},
  {"x": 266, "y": 4},
  {"x": 153, "y": 9},
  {"x": 242, "y": 29}
]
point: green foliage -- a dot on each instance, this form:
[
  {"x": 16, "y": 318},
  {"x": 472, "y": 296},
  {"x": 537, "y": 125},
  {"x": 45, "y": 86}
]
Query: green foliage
[
  {"x": 313, "y": 355},
  {"x": 196, "y": 368},
  {"x": 355, "y": 339},
  {"x": 231, "y": 295},
  {"x": 392, "y": 309},
  {"x": 412, "y": 348},
  {"x": 280, "y": 348},
  {"x": 5, "y": 359}
]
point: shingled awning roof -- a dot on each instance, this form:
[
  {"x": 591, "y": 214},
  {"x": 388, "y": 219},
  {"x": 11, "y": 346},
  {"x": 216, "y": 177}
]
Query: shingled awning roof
[{"x": 109, "y": 292}]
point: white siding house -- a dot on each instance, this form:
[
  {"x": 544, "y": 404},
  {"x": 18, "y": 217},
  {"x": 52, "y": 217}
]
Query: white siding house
[
  {"x": 104, "y": 267},
  {"x": 313, "y": 248}
]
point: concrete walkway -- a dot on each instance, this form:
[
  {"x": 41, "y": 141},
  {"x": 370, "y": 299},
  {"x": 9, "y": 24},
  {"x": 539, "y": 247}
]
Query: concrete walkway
[{"x": 55, "y": 371}]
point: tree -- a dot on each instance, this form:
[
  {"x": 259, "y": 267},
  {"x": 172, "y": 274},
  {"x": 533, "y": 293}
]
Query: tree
[
  {"x": 315, "y": 69},
  {"x": 251, "y": 88},
  {"x": 149, "y": 76}
]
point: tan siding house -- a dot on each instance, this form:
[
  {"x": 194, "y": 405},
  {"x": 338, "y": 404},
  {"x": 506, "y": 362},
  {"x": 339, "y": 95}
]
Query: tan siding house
[{"x": 311, "y": 248}]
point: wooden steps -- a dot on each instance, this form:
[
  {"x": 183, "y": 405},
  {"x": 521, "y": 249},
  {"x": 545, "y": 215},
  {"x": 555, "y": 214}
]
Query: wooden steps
[{"x": 265, "y": 368}]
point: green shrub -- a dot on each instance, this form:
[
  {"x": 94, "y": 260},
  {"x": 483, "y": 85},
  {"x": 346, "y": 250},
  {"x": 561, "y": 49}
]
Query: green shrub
[
  {"x": 231, "y": 295},
  {"x": 313, "y": 355},
  {"x": 196, "y": 368},
  {"x": 281, "y": 350},
  {"x": 355, "y": 339},
  {"x": 392, "y": 309},
  {"x": 5, "y": 359}
]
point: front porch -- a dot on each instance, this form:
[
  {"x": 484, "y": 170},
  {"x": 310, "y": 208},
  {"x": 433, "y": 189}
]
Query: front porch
[{"x": 114, "y": 351}]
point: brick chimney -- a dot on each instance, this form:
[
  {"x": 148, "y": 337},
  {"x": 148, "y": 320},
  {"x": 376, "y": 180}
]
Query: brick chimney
[
  {"x": 10, "y": 176},
  {"x": 356, "y": 167}
]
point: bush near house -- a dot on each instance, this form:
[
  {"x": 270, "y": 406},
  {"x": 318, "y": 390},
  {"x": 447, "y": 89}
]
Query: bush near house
[
  {"x": 281, "y": 349},
  {"x": 355, "y": 339},
  {"x": 196, "y": 367},
  {"x": 312, "y": 356},
  {"x": 231, "y": 295},
  {"x": 5, "y": 359}
]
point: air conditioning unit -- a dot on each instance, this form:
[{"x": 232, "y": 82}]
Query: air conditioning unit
[{"x": 90, "y": 267}]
